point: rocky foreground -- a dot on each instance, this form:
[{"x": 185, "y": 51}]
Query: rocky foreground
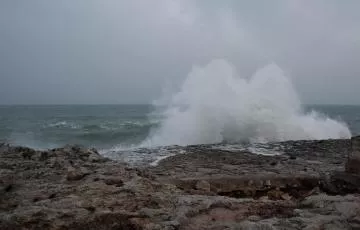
[{"x": 307, "y": 187}]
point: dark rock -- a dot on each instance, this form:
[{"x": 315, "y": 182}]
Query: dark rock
[
  {"x": 353, "y": 163},
  {"x": 74, "y": 174},
  {"x": 114, "y": 181},
  {"x": 52, "y": 196},
  {"x": 44, "y": 155},
  {"x": 205, "y": 188},
  {"x": 27, "y": 153},
  {"x": 203, "y": 185},
  {"x": 341, "y": 183},
  {"x": 8, "y": 188}
]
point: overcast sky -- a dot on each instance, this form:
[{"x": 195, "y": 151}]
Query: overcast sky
[{"x": 122, "y": 51}]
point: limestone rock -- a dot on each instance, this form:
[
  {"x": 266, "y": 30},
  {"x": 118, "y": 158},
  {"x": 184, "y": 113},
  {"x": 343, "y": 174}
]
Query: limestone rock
[
  {"x": 203, "y": 185},
  {"x": 74, "y": 174},
  {"x": 206, "y": 188}
]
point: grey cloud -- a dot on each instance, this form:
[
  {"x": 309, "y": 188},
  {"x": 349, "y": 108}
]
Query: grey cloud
[{"x": 124, "y": 51}]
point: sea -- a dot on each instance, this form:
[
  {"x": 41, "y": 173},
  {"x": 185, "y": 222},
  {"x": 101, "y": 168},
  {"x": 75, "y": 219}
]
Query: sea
[
  {"x": 98, "y": 126},
  {"x": 214, "y": 106},
  {"x": 107, "y": 126}
]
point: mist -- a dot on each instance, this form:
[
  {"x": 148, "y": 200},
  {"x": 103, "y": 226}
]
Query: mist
[{"x": 97, "y": 52}]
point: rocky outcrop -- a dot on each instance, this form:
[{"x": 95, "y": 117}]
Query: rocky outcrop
[
  {"x": 206, "y": 188},
  {"x": 353, "y": 163}
]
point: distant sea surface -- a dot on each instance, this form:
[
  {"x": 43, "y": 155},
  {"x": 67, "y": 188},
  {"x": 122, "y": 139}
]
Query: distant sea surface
[{"x": 106, "y": 126}]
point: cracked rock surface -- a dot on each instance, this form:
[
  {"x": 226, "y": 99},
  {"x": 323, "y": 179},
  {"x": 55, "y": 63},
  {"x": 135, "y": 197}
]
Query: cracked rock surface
[{"x": 206, "y": 188}]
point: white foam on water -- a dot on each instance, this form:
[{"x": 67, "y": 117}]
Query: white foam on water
[
  {"x": 137, "y": 156},
  {"x": 160, "y": 158},
  {"x": 215, "y": 104},
  {"x": 63, "y": 124},
  {"x": 264, "y": 151}
]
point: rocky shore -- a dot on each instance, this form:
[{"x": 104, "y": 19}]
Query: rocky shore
[{"x": 312, "y": 185}]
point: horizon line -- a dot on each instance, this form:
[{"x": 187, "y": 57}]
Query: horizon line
[{"x": 99, "y": 104}]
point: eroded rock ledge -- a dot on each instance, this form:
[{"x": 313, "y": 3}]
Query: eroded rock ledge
[{"x": 74, "y": 188}]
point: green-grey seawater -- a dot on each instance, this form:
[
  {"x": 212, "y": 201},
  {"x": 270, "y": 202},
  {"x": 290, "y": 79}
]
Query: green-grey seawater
[{"x": 106, "y": 126}]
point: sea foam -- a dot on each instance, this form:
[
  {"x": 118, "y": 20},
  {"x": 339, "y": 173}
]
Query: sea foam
[{"x": 215, "y": 104}]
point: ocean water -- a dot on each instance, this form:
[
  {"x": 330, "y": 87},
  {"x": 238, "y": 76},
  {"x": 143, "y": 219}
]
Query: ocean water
[
  {"x": 100, "y": 126},
  {"x": 107, "y": 126},
  {"x": 215, "y": 104}
]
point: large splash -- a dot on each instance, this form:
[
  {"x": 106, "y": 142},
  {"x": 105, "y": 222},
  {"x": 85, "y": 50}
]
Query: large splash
[{"x": 215, "y": 105}]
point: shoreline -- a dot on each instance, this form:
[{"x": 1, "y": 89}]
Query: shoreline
[{"x": 203, "y": 188}]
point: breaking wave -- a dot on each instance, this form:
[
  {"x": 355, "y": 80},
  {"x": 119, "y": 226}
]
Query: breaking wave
[{"x": 216, "y": 105}]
